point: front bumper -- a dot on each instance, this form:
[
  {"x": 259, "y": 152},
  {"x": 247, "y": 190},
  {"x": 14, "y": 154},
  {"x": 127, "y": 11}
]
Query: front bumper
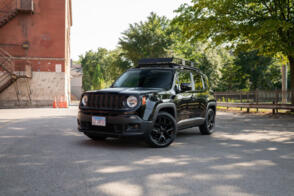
[{"x": 116, "y": 126}]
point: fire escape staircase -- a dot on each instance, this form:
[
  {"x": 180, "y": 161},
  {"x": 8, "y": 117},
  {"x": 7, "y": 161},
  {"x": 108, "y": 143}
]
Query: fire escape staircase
[
  {"x": 8, "y": 75},
  {"x": 10, "y": 8}
]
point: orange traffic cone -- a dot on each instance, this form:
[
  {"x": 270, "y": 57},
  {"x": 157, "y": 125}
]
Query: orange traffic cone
[
  {"x": 54, "y": 103},
  {"x": 59, "y": 103},
  {"x": 62, "y": 103}
]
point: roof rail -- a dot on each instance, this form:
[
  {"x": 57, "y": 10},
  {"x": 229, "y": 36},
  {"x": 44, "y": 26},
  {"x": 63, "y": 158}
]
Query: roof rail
[{"x": 170, "y": 62}]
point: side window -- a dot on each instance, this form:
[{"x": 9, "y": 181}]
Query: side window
[
  {"x": 206, "y": 82},
  {"x": 198, "y": 81},
  {"x": 185, "y": 80},
  {"x": 184, "y": 77}
]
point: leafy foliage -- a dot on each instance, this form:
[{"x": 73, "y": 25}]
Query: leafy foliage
[
  {"x": 207, "y": 59},
  {"x": 267, "y": 26},
  {"x": 193, "y": 35},
  {"x": 149, "y": 39},
  {"x": 264, "y": 25},
  {"x": 249, "y": 71},
  {"x": 101, "y": 68}
]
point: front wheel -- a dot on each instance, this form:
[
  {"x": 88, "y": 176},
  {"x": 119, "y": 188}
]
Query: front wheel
[
  {"x": 208, "y": 127},
  {"x": 163, "y": 131}
]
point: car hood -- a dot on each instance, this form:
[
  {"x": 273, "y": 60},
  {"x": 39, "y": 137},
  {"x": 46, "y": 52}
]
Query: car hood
[{"x": 129, "y": 90}]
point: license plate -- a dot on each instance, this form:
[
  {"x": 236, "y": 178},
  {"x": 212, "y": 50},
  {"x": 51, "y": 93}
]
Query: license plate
[{"x": 98, "y": 121}]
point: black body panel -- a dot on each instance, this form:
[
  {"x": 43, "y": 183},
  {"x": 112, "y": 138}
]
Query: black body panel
[{"x": 187, "y": 107}]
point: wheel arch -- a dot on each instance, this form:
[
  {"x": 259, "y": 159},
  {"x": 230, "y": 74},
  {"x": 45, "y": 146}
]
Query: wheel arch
[
  {"x": 165, "y": 107},
  {"x": 211, "y": 105}
]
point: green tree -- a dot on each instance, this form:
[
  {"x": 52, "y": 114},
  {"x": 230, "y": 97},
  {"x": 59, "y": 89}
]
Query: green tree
[
  {"x": 102, "y": 67},
  {"x": 92, "y": 69},
  {"x": 209, "y": 60},
  {"x": 117, "y": 64},
  {"x": 242, "y": 24},
  {"x": 232, "y": 78},
  {"x": 249, "y": 71},
  {"x": 254, "y": 67},
  {"x": 149, "y": 39}
]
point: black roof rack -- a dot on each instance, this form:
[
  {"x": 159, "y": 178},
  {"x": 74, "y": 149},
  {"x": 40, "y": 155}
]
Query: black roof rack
[{"x": 170, "y": 62}]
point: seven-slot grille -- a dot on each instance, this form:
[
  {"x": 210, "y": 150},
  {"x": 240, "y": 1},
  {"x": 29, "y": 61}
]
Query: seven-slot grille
[{"x": 106, "y": 101}]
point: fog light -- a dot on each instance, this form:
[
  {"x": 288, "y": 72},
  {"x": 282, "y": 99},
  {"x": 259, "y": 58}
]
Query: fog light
[{"x": 133, "y": 126}]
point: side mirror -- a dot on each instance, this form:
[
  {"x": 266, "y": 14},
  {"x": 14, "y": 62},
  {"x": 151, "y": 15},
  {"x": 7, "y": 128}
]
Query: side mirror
[
  {"x": 186, "y": 87},
  {"x": 177, "y": 88}
]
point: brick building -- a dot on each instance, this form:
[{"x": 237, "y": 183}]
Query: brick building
[{"x": 34, "y": 52}]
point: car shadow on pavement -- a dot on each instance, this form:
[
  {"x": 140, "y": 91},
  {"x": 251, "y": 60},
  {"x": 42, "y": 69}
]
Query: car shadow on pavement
[{"x": 132, "y": 142}]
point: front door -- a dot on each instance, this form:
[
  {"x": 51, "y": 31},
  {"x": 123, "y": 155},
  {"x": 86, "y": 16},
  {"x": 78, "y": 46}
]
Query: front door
[{"x": 184, "y": 98}]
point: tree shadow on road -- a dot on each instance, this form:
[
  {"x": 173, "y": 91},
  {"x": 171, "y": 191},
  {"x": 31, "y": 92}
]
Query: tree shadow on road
[{"x": 245, "y": 156}]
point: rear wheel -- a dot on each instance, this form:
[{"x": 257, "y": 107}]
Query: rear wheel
[
  {"x": 95, "y": 136},
  {"x": 163, "y": 132},
  {"x": 208, "y": 127}
]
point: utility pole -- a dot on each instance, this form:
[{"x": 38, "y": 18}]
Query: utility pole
[{"x": 284, "y": 84}]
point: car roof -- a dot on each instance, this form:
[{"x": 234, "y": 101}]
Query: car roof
[{"x": 171, "y": 63}]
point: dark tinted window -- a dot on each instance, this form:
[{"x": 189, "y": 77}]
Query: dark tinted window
[
  {"x": 206, "y": 83},
  {"x": 146, "y": 79},
  {"x": 198, "y": 82},
  {"x": 185, "y": 77}
]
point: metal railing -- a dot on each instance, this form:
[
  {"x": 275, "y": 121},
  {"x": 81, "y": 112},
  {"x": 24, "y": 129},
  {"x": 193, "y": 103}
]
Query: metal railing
[
  {"x": 7, "y": 68},
  {"x": 9, "y": 75},
  {"x": 7, "y": 5},
  {"x": 7, "y": 11},
  {"x": 258, "y": 96},
  {"x": 6, "y": 62},
  {"x": 11, "y": 65},
  {"x": 256, "y": 99}
]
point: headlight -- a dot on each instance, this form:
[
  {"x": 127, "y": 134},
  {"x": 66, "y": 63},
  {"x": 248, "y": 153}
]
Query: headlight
[
  {"x": 85, "y": 100},
  {"x": 132, "y": 101}
]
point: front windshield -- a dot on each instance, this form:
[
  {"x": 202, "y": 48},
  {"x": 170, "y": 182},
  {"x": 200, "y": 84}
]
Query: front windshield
[{"x": 145, "y": 78}]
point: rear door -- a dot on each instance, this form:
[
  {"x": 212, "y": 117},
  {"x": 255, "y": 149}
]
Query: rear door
[{"x": 200, "y": 95}]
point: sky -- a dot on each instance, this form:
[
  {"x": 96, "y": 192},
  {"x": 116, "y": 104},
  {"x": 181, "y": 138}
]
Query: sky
[{"x": 99, "y": 23}]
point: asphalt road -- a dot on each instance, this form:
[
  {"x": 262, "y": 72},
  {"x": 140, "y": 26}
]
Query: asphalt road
[{"x": 41, "y": 153}]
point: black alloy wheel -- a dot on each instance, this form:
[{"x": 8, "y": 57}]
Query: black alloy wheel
[
  {"x": 163, "y": 132},
  {"x": 208, "y": 127}
]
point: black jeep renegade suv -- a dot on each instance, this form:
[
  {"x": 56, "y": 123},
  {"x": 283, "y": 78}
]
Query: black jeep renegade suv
[{"x": 153, "y": 100}]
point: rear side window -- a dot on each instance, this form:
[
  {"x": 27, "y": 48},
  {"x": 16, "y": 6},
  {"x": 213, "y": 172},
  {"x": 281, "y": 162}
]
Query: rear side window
[
  {"x": 185, "y": 80},
  {"x": 184, "y": 77},
  {"x": 206, "y": 82},
  {"x": 198, "y": 81}
]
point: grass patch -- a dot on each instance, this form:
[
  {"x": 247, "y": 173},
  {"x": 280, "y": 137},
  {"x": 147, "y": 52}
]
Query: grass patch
[{"x": 253, "y": 110}]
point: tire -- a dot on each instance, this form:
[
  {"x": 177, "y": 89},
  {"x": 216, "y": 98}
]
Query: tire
[
  {"x": 208, "y": 127},
  {"x": 95, "y": 136},
  {"x": 163, "y": 132}
]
